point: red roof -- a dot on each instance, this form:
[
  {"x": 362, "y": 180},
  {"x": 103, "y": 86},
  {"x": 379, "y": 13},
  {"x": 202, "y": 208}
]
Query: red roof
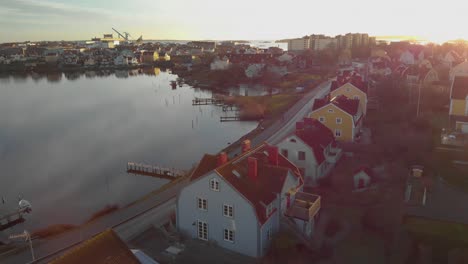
[
  {"x": 366, "y": 170},
  {"x": 350, "y": 106},
  {"x": 317, "y": 136},
  {"x": 355, "y": 80},
  {"x": 259, "y": 192},
  {"x": 269, "y": 181}
]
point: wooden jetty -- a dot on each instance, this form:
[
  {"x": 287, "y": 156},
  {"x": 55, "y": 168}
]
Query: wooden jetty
[
  {"x": 154, "y": 171},
  {"x": 207, "y": 101},
  {"x": 229, "y": 118},
  {"x": 12, "y": 219}
]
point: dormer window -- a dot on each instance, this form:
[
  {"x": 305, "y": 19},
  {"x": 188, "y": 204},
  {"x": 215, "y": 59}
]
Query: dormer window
[
  {"x": 214, "y": 184},
  {"x": 330, "y": 110},
  {"x": 292, "y": 140}
]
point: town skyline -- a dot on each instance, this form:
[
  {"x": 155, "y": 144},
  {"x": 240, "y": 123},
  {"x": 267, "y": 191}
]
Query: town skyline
[{"x": 54, "y": 20}]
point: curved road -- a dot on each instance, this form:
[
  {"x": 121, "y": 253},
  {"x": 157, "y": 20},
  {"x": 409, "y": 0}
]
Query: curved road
[{"x": 164, "y": 201}]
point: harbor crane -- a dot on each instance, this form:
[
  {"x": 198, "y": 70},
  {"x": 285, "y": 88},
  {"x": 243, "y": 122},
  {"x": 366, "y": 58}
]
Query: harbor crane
[{"x": 121, "y": 35}]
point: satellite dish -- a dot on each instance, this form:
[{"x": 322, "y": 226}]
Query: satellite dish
[{"x": 25, "y": 206}]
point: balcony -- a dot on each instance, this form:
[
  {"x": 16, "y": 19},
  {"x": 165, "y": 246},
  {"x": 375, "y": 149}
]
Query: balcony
[
  {"x": 334, "y": 155},
  {"x": 304, "y": 207}
]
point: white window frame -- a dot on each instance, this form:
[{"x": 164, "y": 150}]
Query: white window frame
[
  {"x": 299, "y": 156},
  {"x": 214, "y": 184},
  {"x": 270, "y": 234},
  {"x": 202, "y": 230},
  {"x": 202, "y": 204},
  {"x": 229, "y": 235},
  {"x": 228, "y": 210},
  {"x": 338, "y": 131},
  {"x": 330, "y": 110},
  {"x": 321, "y": 119},
  {"x": 340, "y": 120}
]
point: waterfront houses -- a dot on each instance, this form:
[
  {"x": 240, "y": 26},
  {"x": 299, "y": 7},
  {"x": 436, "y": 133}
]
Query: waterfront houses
[
  {"x": 342, "y": 115},
  {"x": 312, "y": 148},
  {"x": 239, "y": 203}
]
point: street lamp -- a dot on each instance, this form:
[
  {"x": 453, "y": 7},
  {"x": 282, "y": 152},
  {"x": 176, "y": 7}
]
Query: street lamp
[{"x": 27, "y": 237}]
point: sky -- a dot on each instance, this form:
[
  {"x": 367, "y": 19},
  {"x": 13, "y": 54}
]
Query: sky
[{"x": 34, "y": 20}]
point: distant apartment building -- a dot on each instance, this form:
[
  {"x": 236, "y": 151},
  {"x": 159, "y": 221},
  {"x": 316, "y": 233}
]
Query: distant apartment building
[
  {"x": 324, "y": 43},
  {"x": 459, "y": 103},
  {"x": 298, "y": 44}
]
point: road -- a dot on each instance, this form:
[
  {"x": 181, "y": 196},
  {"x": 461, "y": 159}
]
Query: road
[{"x": 272, "y": 135}]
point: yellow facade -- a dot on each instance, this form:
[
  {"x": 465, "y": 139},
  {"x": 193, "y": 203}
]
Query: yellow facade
[
  {"x": 328, "y": 116},
  {"x": 458, "y": 107},
  {"x": 352, "y": 92}
]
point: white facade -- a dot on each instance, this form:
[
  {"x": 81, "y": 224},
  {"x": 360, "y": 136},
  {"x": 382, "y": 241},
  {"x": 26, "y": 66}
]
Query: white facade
[
  {"x": 407, "y": 58},
  {"x": 361, "y": 180},
  {"x": 298, "y": 44},
  {"x": 321, "y": 44},
  {"x": 254, "y": 70},
  {"x": 459, "y": 70},
  {"x": 220, "y": 64}
]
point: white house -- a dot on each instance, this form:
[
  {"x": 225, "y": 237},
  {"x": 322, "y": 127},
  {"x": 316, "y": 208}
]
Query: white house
[
  {"x": 459, "y": 70},
  {"x": 363, "y": 178},
  {"x": 254, "y": 70},
  {"x": 239, "y": 203},
  {"x": 452, "y": 58},
  {"x": 220, "y": 64},
  {"x": 407, "y": 58},
  {"x": 312, "y": 148}
]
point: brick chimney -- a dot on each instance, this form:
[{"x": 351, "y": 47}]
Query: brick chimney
[
  {"x": 273, "y": 155},
  {"x": 253, "y": 168},
  {"x": 299, "y": 126},
  {"x": 222, "y": 159},
  {"x": 245, "y": 145}
]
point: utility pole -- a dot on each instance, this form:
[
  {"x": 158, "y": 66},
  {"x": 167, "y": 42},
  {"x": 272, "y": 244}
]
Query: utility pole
[{"x": 27, "y": 237}]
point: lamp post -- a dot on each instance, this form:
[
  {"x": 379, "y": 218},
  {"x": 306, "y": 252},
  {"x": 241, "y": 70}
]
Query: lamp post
[{"x": 27, "y": 237}]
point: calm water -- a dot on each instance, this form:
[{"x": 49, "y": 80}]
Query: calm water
[{"x": 65, "y": 140}]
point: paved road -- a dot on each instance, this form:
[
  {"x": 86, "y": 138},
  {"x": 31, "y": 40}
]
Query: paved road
[{"x": 273, "y": 134}]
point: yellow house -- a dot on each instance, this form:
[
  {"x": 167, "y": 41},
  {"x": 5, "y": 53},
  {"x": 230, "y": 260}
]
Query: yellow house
[
  {"x": 342, "y": 115},
  {"x": 459, "y": 103},
  {"x": 352, "y": 90},
  {"x": 149, "y": 57}
]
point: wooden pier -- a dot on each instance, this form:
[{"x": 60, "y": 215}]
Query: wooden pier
[
  {"x": 154, "y": 171},
  {"x": 229, "y": 118},
  {"x": 12, "y": 219},
  {"x": 207, "y": 101}
]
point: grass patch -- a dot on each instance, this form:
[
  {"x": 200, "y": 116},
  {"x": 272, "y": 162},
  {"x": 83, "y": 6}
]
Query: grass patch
[
  {"x": 52, "y": 230},
  {"x": 258, "y": 107},
  {"x": 440, "y": 235}
]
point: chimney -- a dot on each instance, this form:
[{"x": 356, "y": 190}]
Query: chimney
[
  {"x": 253, "y": 168},
  {"x": 222, "y": 159},
  {"x": 299, "y": 125},
  {"x": 273, "y": 155},
  {"x": 245, "y": 145}
]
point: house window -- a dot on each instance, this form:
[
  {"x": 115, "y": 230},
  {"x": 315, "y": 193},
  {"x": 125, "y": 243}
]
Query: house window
[
  {"x": 228, "y": 210},
  {"x": 270, "y": 233},
  {"x": 202, "y": 230},
  {"x": 337, "y": 133},
  {"x": 269, "y": 209},
  {"x": 214, "y": 184},
  {"x": 339, "y": 120},
  {"x": 284, "y": 152},
  {"x": 356, "y": 97},
  {"x": 292, "y": 140},
  {"x": 202, "y": 204},
  {"x": 229, "y": 235},
  {"x": 322, "y": 119},
  {"x": 330, "y": 110},
  {"x": 301, "y": 155}
]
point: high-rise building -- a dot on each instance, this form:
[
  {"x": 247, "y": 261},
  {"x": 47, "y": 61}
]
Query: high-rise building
[{"x": 298, "y": 44}]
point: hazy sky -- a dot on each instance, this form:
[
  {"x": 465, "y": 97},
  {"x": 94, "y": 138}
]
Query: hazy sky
[{"x": 216, "y": 19}]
